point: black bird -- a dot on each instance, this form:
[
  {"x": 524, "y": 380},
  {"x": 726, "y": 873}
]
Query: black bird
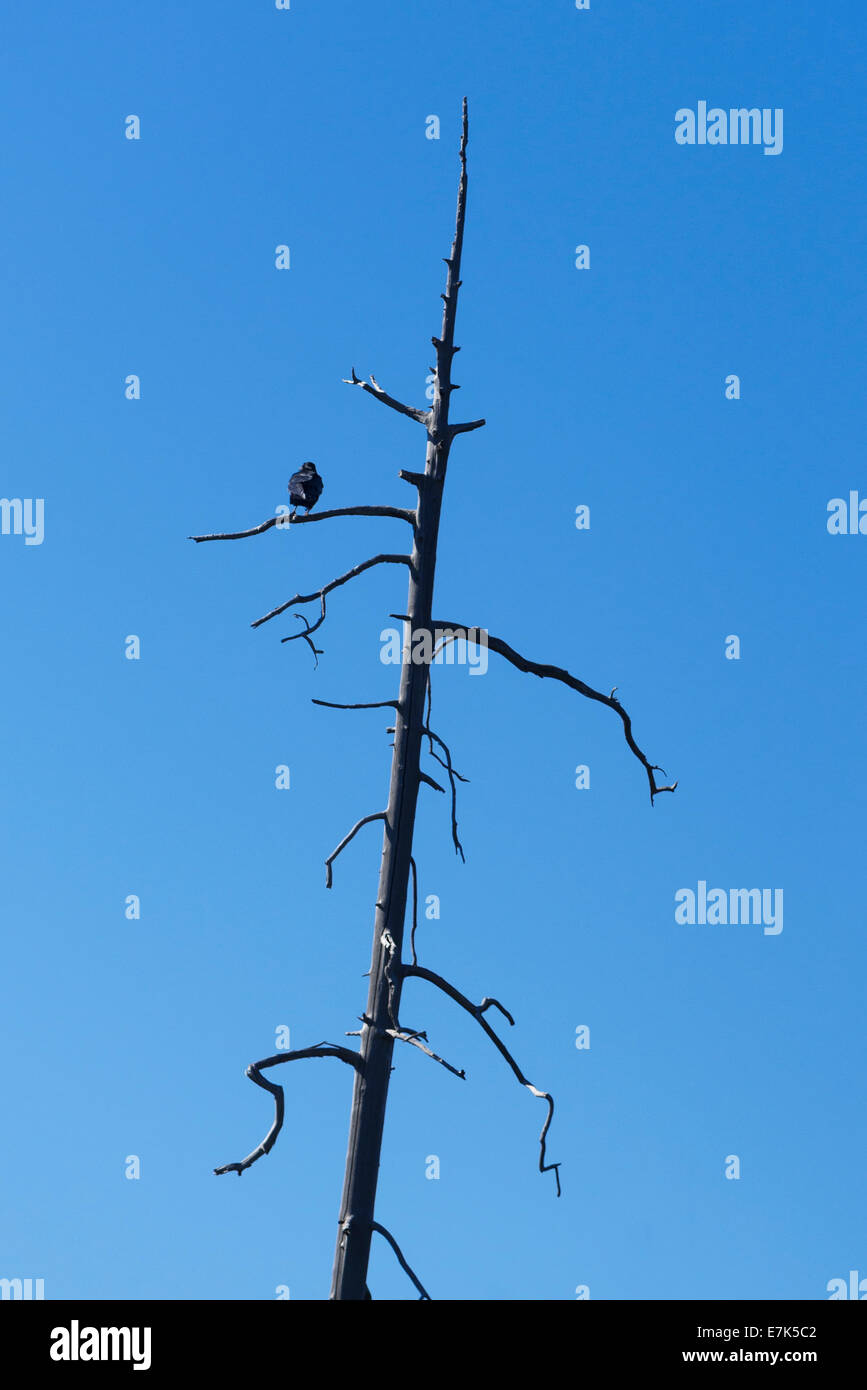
[{"x": 305, "y": 487}]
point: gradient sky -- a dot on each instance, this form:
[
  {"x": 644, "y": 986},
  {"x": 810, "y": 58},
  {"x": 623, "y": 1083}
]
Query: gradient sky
[{"x": 603, "y": 387}]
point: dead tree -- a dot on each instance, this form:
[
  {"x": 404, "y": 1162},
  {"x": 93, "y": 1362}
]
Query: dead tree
[{"x": 389, "y": 970}]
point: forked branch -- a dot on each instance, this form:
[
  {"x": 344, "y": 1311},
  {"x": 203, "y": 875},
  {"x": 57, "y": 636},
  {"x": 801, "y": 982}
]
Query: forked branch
[
  {"x": 374, "y": 388},
  {"x": 254, "y": 1072},
  {"x": 293, "y": 637}
]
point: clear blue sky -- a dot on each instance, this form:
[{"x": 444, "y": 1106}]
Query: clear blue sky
[{"x": 602, "y": 387}]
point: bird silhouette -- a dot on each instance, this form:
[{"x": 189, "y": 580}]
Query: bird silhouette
[{"x": 305, "y": 487}]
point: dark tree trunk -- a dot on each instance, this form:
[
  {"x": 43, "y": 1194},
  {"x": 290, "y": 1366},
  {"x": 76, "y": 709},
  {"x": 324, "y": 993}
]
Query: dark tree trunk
[{"x": 367, "y": 1122}]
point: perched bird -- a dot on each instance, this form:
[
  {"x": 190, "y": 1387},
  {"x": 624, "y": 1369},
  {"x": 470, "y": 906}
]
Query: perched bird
[{"x": 305, "y": 487}]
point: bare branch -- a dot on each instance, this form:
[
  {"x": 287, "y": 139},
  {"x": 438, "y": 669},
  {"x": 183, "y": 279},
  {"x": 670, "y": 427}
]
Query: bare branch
[
  {"x": 374, "y": 388},
  {"x": 334, "y": 584},
  {"x": 374, "y": 704},
  {"x": 459, "y": 849},
  {"x": 353, "y": 1059},
  {"x": 397, "y": 513},
  {"x": 558, "y": 673},
  {"x": 365, "y": 820},
  {"x": 317, "y": 651},
  {"x": 414, "y": 1038},
  {"x": 425, "y": 1296},
  {"x": 414, "y": 870},
  {"x": 467, "y": 426},
  {"x": 408, "y": 1035},
  {"x": 452, "y": 772},
  {"x": 417, "y": 479},
  {"x": 242, "y": 535},
  {"x": 423, "y": 777},
  {"x": 443, "y": 762},
  {"x": 286, "y": 519},
  {"x": 477, "y": 1011},
  {"x": 495, "y": 1004}
]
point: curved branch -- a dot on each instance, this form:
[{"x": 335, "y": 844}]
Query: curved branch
[
  {"x": 335, "y": 584},
  {"x": 488, "y": 1003},
  {"x": 353, "y": 1059},
  {"x": 558, "y": 673},
  {"x": 465, "y": 428},
  {"x": 365, "y": 820},
  {"x": 477, "y": 1011},
  {"x": 374, "y": 388},
  {"x": 285, "y": 519},
  {"x": 375, "y": 1226}
]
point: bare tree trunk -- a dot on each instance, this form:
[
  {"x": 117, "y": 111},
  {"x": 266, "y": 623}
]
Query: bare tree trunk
[{"x": 349, "y": 1280}]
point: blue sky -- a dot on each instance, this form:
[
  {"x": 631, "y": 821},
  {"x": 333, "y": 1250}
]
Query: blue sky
[{"x": 603, "y": 387}]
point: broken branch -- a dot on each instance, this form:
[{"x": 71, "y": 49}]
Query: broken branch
[{"x": 418, "y": 480}]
